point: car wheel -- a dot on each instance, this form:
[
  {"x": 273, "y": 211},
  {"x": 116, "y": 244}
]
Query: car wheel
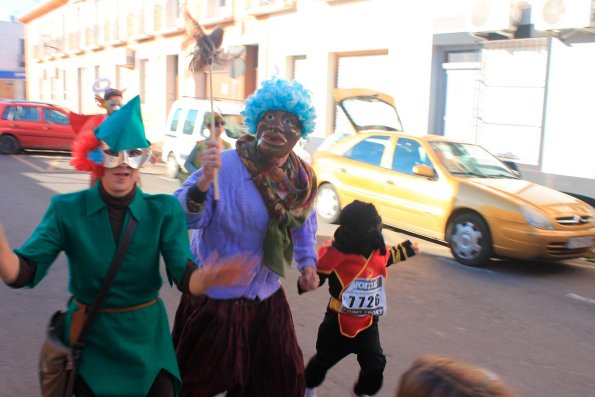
[
  {"x": 328, "y": 206},
  {"x": 469, "y": 239},
  {"x": 173, "y": 169},
  {"x": 9, "y": 144}
]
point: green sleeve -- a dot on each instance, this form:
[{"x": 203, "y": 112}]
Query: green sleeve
[
  {"x": 174, "y": 244},
  {"x": 44, "y": 245}
]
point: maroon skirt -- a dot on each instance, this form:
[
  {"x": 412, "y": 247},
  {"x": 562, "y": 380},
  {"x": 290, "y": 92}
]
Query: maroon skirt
[{"x": 247, "y": 348}]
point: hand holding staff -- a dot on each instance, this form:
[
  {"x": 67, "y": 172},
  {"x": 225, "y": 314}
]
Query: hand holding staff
[{"x": 206, "y": 52}]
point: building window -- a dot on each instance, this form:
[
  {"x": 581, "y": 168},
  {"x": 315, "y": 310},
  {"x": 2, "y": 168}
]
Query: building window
[
  {"x": 463, "y": 56},
  {"x": 144, "y": 80},
  {"x": 22, "y": 53},
  {"x": 53, "y": 88},
  {"x": 297, "y": 68},
  {"x": 261, "y": 7},
  {"x": 64, "y": 86}
]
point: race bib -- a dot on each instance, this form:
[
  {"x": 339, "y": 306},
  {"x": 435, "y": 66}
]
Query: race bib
[{"x": 364, "y": 296}]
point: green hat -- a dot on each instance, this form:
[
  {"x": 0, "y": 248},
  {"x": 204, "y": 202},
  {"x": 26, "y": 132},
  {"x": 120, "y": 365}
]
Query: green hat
[{"x": 124, "y": 129}]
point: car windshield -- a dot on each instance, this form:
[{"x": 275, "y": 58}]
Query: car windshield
[
  {"x": 368, "y": 112},
  {"x": 469, "y": 160}
]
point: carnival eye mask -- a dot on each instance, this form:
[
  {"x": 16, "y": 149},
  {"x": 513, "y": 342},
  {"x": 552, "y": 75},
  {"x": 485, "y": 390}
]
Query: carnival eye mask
[
  {"x": 115, "y": 105},
  {"x": 134, "y": 158}
]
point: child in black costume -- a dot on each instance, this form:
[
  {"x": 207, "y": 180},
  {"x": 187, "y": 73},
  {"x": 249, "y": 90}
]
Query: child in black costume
[{"x": 355, "y": 264}]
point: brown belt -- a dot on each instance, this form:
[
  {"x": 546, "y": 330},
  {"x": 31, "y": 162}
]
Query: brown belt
[
  {"x": 335, "y": 304},
  {"x": 79, "y": 317},
  {"x": 85, "y": 308}
]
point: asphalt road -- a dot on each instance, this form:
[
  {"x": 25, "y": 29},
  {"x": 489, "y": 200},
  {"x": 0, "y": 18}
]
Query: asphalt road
[{"x": 531, "y": 323}]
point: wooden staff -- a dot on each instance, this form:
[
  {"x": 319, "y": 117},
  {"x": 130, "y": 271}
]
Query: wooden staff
[
  {"x": 206, "y": 52},
  {"x": 213, "y": 136}
]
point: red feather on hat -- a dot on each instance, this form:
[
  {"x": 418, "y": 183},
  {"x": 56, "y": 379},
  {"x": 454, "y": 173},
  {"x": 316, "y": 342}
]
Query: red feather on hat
[{"x": 85, "y": 142}]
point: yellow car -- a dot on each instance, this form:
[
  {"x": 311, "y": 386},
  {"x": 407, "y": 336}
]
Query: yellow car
[{"x": 450, "y": 191}]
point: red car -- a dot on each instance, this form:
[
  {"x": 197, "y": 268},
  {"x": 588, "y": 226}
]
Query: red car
[{"x": 33, "y": 125}]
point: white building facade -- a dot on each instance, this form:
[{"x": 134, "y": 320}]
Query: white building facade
[{"x": 454, "y": 67}]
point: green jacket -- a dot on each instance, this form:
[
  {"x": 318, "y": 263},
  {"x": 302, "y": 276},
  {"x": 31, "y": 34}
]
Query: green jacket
[{"x": 125, "y": 350}]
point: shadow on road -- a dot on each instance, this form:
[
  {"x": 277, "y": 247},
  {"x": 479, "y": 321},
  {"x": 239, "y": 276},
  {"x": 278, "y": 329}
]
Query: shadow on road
[{"x": 532, "y": 268}]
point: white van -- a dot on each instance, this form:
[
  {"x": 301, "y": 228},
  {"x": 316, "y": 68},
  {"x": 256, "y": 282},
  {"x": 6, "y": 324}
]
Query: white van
[{"x": 185, "y": 127}]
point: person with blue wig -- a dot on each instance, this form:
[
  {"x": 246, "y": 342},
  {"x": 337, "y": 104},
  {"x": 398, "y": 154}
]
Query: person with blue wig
[{"x": 241, "y": 340}]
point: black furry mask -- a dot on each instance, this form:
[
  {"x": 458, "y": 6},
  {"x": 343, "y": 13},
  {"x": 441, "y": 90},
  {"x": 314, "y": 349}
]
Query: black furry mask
[{"x": 360, "y": 230}]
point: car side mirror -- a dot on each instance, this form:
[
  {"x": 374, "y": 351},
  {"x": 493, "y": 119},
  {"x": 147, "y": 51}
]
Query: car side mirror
[
  {"x": 425, "y": 171},
  {"x": 513, "y": 167}
]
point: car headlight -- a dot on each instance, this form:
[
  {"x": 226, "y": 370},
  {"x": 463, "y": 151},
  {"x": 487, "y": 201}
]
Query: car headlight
[{"x": 536, "y": 218}]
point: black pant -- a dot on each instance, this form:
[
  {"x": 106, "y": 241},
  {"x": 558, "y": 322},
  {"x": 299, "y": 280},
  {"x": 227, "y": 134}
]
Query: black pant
[
  {"x": 163, "y": 386},
  {"x": 332, "y": 346}
]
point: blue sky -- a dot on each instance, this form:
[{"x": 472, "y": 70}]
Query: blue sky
[{"x": 18, "y": 8}]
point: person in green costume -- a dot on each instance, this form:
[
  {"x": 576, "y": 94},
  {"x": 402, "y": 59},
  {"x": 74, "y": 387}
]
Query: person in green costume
[{"x": 129, "y": 351}]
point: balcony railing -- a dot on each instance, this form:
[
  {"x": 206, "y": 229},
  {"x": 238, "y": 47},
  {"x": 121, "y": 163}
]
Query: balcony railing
[{"x": 261, "y": 7}]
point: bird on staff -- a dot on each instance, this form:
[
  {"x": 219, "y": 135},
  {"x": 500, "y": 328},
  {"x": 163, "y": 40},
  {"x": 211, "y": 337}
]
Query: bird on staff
[{"x": 207, "y": 47}]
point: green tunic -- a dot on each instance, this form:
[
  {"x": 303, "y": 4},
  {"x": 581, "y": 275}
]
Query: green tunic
[{"x": 125, "y": 350}]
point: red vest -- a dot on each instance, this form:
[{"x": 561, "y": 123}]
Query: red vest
[{"x": 346, "y": 268}]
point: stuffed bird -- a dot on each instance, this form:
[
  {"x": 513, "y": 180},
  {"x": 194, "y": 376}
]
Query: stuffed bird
[{"x": 206, "y": 46}]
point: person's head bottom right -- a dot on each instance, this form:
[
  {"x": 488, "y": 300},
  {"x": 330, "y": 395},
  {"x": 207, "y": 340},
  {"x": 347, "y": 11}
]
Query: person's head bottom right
[{"x": 436, "y": 376}]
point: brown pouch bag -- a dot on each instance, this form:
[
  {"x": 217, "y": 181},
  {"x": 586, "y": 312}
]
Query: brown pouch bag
[{"x": 56, "y": 362}]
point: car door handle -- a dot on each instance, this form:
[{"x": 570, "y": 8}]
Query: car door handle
[
  {"x": 13, "y": 125},
  {"x": 390, "y": 182},
  {"x": 47, "y": 128},
  {"x": 343, "y": 170}
]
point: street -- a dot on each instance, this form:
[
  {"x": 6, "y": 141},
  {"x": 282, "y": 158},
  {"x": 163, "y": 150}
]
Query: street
[{"x": 533, "y": 324}]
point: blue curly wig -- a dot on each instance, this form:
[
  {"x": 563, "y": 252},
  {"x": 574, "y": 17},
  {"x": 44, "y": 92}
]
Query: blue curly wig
[{"x": 279, "y": 94}]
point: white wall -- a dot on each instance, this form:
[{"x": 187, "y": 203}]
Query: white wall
[
  {"x": 320, "y": 30},
  {"x": 569, "y": 129}
]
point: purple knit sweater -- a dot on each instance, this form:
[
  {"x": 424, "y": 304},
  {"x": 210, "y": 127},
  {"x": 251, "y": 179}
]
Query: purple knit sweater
[{"x": 237, "y": 222}]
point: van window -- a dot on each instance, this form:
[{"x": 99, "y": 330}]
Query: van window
[
  {"x": 190, "y": 121},
  {"x": 174, "y": 120}
]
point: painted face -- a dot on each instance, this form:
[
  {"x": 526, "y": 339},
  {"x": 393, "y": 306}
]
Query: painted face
[
  {"x": 119, "y": 181},
  {"x": 113, "y": 104},
  {"x": 278, "y": 131}
]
